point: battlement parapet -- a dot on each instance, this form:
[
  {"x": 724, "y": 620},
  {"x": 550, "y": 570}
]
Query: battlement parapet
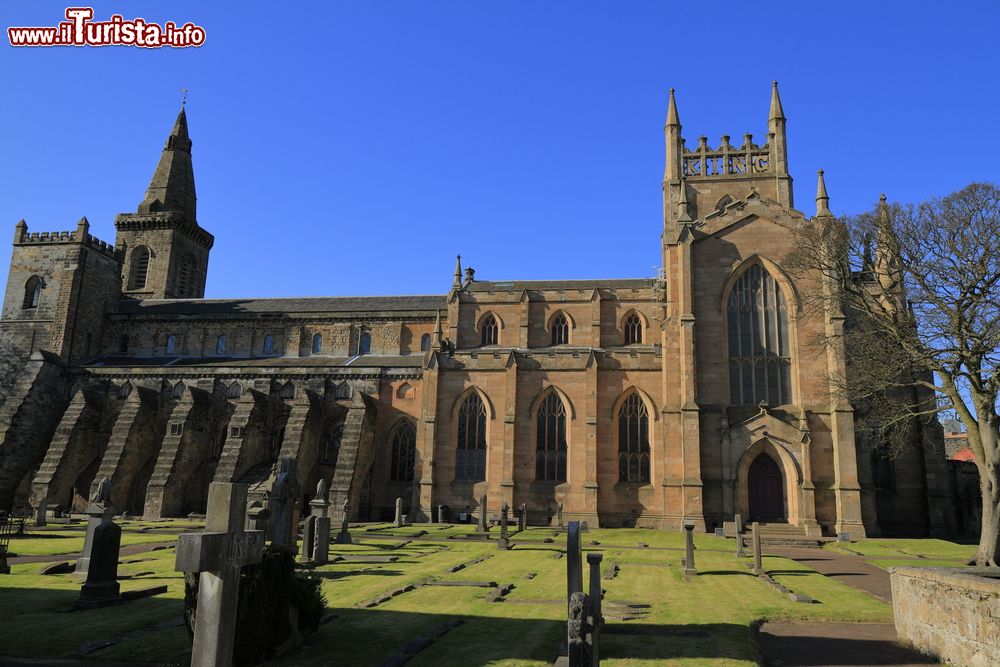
[{"x": 80, "y": 235}]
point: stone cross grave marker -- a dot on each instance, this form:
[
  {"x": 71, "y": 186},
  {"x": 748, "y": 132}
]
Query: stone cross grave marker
[
  {"x": 504, "y": 541},
  {"x": 522, "y": 518},
  {"x": 689, "y": 567},
  {"x": 316, "y": 535},
  {"x": 398, "y": 521},
  {"x": 283, "y": 503},
  {"x": 344, "y": 537},
  {"x": 757, "y": 565},
  {"x": 217, "y": 554},
  {"x": 484, "y": 525}
]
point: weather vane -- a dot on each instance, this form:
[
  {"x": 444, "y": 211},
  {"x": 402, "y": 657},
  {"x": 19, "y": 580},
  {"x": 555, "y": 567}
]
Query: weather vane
[{"x": 184, "y": 96}]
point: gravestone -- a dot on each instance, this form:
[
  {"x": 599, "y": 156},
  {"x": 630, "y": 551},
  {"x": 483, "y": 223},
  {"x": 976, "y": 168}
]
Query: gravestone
[
  {"x": 559, "y": 516},
  {"x": 758, "y": 567},
  {"x": 41, "y": 511},
  {"x": 442, "y": 509},
  {"x": 217, "y": 554},
  {"x": 104, "y": 541},
  {"x": 689, "y": 567},
  {"x": 504, "y": 542},
  {"x": 398, "y": 521},
  {"x": 583, "y": 612},
  {"x": 483, "y": 526},
  {"x": 574, "y": 560},
  {"x": 316, "y": 536},
  {"x": 344, "y": 537},
  {"x": 522, "y": 518},
  {"x": 740, "y": 553},
  {"x": 739, "y": 523},
  {"x": 99, "y": 510},
  {"x": 283, "y": 506},
  {"x": 257, "y": 514},
  {"x": 596, "y": 593}
]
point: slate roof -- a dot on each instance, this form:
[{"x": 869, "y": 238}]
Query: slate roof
[
  {"x": 336, "y": 304},
  {"x": 517, "y": 285}
]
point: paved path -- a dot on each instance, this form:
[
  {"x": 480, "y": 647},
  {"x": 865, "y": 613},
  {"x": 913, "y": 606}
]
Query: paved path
[
  {"x": 850, "y": 570},
  {"x": 835, "y": 644}
]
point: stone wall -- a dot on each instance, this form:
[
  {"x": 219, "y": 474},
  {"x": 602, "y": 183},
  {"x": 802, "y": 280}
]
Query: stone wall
[{"x": 950, "y": 613}]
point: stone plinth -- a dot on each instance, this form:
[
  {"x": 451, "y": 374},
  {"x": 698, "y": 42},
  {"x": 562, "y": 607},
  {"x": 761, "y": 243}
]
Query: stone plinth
[{"x": 950, "y": 613}]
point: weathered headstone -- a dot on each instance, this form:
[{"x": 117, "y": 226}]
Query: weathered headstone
[
  {"x": 758, "y": 567},
  {"x": 398, "y": 521},
  {"x": 522, "y": 518},
  {"x": 574, "y": 560},
  {"x": 257, "y": 514},
  {"x": 316, "y": 536},
  {"x": 283, "y": 504},
  {"x": 41, "y": 511},
  {"x": 739, "y": 524},
  {"x": 344, "y": 537},
  {"x": 689, "y": 567},
  {"x": 740, "y": 553},
  {"x": 596, "y": 593},
  {"x": 218, "y": 553},
  {"x": 99, "y": 509},
  {"x": 504, "y": 541},
  {"x": 441, "y": 514},
  {"x": 101, "y": 586},
  {"x": 559, "y": 516},
  {"x": 484, "y": 525}
]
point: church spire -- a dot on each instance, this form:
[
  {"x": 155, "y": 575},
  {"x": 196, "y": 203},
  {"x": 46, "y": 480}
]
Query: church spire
[
  {"x": 436, "y": 340},
  {"x": 776, "y": 110},
  {"x": 822, "y": 199},
  {"x": 673, "y": 120},
  {"x": 683, "y": 212},
  {"x": 457, "y": 282},
  {"x": 172, "y": 185}
]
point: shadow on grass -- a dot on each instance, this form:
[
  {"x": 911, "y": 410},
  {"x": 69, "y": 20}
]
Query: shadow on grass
[
  {"x": 713, "y": 573},
  {"x": 354, "y": 573}
]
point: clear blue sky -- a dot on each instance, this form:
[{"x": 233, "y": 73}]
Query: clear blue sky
[{"x": 355, "y": 148}]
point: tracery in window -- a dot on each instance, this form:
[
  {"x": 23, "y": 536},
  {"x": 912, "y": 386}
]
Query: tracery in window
[
  {"x": 489, "y": 330},
  {"x": 550, "y": 439},
  {"x": 470, "y": 452},
  {"x": 633, "y": 440},
  {"x": 560, "y": 330},
  {"x": 404, "y": 453}
]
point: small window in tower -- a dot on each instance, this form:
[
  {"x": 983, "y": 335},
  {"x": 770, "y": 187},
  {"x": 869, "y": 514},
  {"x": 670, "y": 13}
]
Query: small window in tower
[
  {"x": 140, "y": 267},
  {"x": 220, "y": 344},
  {"x": 365, "y": 346},
  {"x": 633, "y": 330},
  {"x": 32, "y": 292},
  {"x": 425, "y": 342},
  {"x": 490, "y": 330},
  {"x": 171, "y": 344},
  {"x": 560, "y": 330},
  {"x": 268, "y": 344},
  {"x": 185, "y": 277},
  {"x": 317, "y": 346}
]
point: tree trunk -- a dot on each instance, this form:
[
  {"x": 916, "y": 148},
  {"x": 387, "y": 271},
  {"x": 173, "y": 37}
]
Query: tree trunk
[{"x": 989, "y": 539}]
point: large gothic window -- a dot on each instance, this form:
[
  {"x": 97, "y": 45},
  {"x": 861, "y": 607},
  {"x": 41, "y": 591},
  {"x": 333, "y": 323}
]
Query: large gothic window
[
  {"x": 560, "y": 330},
  {"x": 633, "y": 329},
  {"x": 490, "y": 330},
  {"x": 470, "y": 453},
  {"x": 404, "y": 453},
  {"x": 550, "y": 442},
  {"x": 140, "y": 267},
  {"x": 633, "y": 440},
  {"x": 32, "y": 292},
  {"x": 760, "y": 366},
  {"x": 331, "y": 450}
]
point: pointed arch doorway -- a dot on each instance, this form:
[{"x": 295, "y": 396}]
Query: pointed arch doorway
[{"x": 765, "y": 490}]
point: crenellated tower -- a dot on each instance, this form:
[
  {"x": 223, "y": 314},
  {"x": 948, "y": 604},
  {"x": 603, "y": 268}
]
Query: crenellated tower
[{"x": 165, "y": 250}]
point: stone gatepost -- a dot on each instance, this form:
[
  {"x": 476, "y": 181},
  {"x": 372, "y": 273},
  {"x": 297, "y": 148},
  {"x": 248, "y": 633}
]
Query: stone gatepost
[{"x": 217, "y": 554}]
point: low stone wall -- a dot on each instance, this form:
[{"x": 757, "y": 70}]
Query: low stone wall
[{"x": 951, "y": 613}]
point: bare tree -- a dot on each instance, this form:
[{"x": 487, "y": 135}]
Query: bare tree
[{"x": 920, "y": 288}]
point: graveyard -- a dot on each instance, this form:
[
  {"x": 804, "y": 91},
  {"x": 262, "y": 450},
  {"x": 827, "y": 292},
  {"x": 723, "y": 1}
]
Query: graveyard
[{"x": 446, "y": 594}]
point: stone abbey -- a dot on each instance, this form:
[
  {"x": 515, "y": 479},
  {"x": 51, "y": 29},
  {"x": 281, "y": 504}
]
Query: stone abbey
[{"x": 684, "y": 398}]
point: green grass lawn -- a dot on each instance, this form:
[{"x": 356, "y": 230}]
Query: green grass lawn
[
  {"x": 704, "y": 620},
  {"x": 885, "y": 552}
]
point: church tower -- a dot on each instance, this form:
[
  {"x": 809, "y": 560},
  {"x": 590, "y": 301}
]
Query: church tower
[{"x": 165, "y": 250}]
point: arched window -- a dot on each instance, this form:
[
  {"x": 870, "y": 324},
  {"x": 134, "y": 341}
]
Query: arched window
[
  {"x": 365, "y": 345},
  {"x": 268, "y": 344},
  {"x": 425, "y": 342},
  {"x": 633, "y": 440},
  {"x": 343, "y": 391},
  {"x": 489, "y": 330},
  {"x": 185, "y": 277},
  {"x": 220, "y": 344},
  {"x": 560, "y": 330},
  {"x": 550, "y": 443},
  {"x": 171, "y": 344},
  {"x": 288, "y": 390},
  {"x": 470, "y": 453},
  {"x": 633, "y": 329},
  {"x": 140, "y": 267},
  {"x": 317, "y": 345},
  {"x": 760, "y": 366},
  {"x": 404, "y": 453},
  {"x": 331, "y": 450},
  {"x": 234, "y": 390},
  {"x": 32, "y": 292},
  {"x": 178, "y": 390}
]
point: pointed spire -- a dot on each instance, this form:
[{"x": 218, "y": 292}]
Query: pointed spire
[
  {"x": 457, "y": 282},
  {"x": 822, "y": 199},
  {"x": 776, "y": 110},
  {"x": 436, "y": 340},
  {"x": 673, "y": 120},
  {"x": 683, "y": 214},
  {"x": 172, "y": 185}
]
